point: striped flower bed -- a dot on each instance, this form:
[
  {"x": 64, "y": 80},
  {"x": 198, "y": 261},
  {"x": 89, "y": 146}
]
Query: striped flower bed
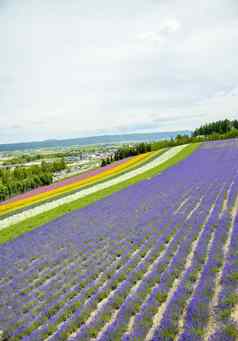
[
  {"x": 132, "y": 172},
  {"x": 64, "y": 182},
  {"x": 69, "y": 185}
]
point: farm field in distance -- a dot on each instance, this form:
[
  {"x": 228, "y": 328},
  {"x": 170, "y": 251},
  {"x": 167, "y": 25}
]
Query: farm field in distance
[{"x": 155, "y": 261}]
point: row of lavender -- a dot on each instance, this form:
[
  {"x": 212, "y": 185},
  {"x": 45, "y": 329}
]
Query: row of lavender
[{"x": 157, "y": 261}]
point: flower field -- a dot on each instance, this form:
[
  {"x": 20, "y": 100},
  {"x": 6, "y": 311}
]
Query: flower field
[
  {"x": 155, "y": 261},
  {"x": 64, "y": 187},
  {"x": 150, "y": 161},
  {"x": 67, "y": 181}
]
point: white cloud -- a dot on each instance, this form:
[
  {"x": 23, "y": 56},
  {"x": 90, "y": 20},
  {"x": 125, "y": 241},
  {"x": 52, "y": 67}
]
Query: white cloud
[
  {"x": 165, "y": 28},
  {"x": 169, "y": 26}
]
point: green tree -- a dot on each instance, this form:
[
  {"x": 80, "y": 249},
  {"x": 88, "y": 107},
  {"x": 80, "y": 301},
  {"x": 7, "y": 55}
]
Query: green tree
[{"x": 3, "y": 192}]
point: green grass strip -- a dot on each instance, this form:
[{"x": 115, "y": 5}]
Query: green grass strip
[{"x": 29, "y": 224}]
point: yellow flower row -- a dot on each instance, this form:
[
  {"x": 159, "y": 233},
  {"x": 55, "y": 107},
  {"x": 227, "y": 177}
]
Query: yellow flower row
[{"x": 131, "y": 163}]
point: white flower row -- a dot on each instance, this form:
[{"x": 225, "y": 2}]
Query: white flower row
[{"x": 28, "y": 213}]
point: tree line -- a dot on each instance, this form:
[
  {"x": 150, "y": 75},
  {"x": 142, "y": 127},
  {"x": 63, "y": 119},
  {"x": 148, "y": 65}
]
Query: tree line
[
  {"x": 127, "y": 151},
  {"x": 22, "y": 179},
  {"x": 218, "y": 127},
  {"x": 219, "y": 130}
]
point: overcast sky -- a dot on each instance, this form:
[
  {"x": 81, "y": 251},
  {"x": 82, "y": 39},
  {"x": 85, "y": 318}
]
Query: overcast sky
[{"x": 83, "y": 67}]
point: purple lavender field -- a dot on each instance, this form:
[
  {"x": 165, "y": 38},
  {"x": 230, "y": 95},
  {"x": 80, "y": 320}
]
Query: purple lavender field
[{"x": 156, "y": 261}]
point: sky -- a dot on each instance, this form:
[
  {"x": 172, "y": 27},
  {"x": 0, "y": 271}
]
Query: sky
[{"x": 84, "y": 67}]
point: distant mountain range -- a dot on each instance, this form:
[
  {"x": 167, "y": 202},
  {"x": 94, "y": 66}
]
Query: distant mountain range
[{"x": 92, "y": 140}]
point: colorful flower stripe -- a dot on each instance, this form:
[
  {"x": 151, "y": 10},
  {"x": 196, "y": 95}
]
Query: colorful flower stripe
[
  {"x": 64, "y": 182},
  {"x": 123, "y": 177},
  {"x": 73, "y": 186}
]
